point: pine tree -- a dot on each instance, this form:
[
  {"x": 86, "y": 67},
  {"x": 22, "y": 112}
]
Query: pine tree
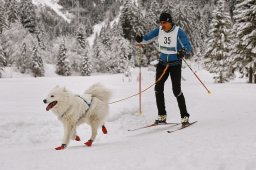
[
  {"x": 40, "y": 36},
  {"x": 88, "y": 27},
  {"x": 152, "y": 16},
  {"x": 2, "y": 60},
  {"x": 11, "y": 9},
  {"x": 28, "y": 15},
  {"x": 106, "y": 36},
  {"x": 80, "y": 36},
  {"x": 101, "y": 54},
  {"x": 120, "y": 55},
  {"x": 111, "y": 51},
  {"x": 131, "y": 20},
  {"x": 24, "y": 62},
  {"x": 218, "y": 45},
  {"x": 101, "y": 50},
  {"x": 86, "y": 65},
  {"x": 3, "y": 20},
  {"x": 117, "y": 29},
  {"x": 151, "y": 22},
  {"x": 244, "y": 53},
  {"x": 63, "y": 64},
  {"x": 82, "y": 51},
  {"x": 37, "y": 65},
  {"x": 188, "y": 18},
  {"x": 6, "y": 46},
  {"x": 232, "y": 4}
]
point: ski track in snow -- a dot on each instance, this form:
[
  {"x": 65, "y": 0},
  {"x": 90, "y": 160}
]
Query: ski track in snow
[{"x": 223, "y": 138}]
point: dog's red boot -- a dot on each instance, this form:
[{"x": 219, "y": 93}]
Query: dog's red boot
[
  {"x": 63, "y": 146},
  {"x": 89, "y": 142},
  {"x": 104, "y": 129},
  {"x": 77, "y": 138}
]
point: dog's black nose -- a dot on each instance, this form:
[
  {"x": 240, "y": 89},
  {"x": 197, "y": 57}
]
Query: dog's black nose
[{"x": 44, "y": 101}]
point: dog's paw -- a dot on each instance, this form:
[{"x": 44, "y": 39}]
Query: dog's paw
[
  {"x": 63, "y": 146},
  {"x": 89, "y": 142},
  {"x": 104, "y": 129},
  {"x": 77, "y": 138}
]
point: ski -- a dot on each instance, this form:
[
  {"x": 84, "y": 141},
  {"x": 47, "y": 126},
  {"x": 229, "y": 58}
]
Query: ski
[
  {"x": 154, "y": 124},
  {"x": 182, "y": 127}
]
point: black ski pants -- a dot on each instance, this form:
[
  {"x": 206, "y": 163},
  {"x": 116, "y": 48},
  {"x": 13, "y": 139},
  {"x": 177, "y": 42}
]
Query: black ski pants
[{"x": 175, "y": 74}]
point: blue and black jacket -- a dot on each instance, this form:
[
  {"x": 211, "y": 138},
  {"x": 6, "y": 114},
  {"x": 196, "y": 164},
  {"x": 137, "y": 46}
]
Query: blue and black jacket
[{"x": 182, "y": 42}]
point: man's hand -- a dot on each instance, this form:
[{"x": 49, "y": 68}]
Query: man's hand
[
  {"x": 139, "y": 38},
  {"x": 181, "y": 53}
]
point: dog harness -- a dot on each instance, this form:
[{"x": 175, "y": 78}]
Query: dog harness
[{"x": 89, "y": 104}]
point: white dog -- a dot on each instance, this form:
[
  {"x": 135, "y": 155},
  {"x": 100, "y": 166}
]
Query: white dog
[{"x": 73, "y": 110}]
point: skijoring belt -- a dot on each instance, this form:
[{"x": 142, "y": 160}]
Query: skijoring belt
[
  {"x": 167, "y": 48},
  {"x": 172, "y": 63}
]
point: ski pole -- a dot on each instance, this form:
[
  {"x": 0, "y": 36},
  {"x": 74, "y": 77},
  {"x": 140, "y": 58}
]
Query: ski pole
[
  {"x": 209, "y": 92},
  {"x": 140, "y": 106}
]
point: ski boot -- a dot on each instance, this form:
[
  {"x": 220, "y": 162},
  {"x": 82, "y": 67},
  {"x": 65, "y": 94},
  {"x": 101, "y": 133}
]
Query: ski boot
[
  {"x": 185, "y": 121},
  {"x": 161, "y": 119}
]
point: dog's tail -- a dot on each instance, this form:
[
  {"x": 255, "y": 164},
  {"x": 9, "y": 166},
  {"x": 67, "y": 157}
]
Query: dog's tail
[{"x": 99, "y": 91}]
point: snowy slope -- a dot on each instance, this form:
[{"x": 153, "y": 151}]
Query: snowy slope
[
  {"x": 223, "y": 138},
  {"x": 53, "y": 5}
]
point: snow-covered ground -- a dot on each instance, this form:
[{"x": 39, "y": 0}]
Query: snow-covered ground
[{"x": 223, "y": 139}]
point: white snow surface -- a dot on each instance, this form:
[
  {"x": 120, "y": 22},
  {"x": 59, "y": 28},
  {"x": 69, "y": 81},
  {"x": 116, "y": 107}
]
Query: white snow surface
[
  {"x": 96, "y": 31},
  {"x": 223, "y": 138},
  {"x": 55, "y": 7}
]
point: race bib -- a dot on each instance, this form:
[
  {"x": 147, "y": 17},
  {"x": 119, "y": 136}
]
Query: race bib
[{"x": 168, "y": 41}]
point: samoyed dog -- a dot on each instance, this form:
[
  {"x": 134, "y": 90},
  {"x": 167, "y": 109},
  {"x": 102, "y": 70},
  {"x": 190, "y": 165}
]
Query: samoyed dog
[{"x": 73, "y": 110}]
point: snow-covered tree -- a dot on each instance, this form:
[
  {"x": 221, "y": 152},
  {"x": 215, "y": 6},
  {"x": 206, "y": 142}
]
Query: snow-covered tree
[
  {"x": 2, "y": 60},
  {"x": 121, "y": 55},
  {"x": 40, "y": 36},
  {"x": 116, "y": 29},
  {"x": 80, "y": 36},
  {"x": 11, "y": 41},
  {"x": 37, "y": 65},
  {"x": 6, "y": 46},
  {"x": 28, "y": 15},
  {"x": 3, "y": 20},
  {"x": 132, "y": 20},
  {"x": 63, "y": 64},
  {"x": 219, "y": 43},
  {"x": 2, "y": 57},
  {"x": 24, "y": 62},
  {"x": 152, "y": 16},
  {"x": 11, "y": 9},
  {"x": 151, "y": 22},
  {"x": 102, "y": 50},
  {"x": 88, "y": 28},
  {"x": 188, "y": 18},
  {"x": 244, "y": 53},
  {"x": 106, "y": 36},
  {"x": 101, "y": 54},
  {"x": 83, "y": 52},
  {"x": 86, "y": 65},
  {"x": 111, "y": 52}
]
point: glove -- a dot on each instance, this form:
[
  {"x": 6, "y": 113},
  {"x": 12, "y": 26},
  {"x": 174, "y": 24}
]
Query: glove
[
  {"x": 181, "y": 53},
  {"x": 139, "y": 38}
]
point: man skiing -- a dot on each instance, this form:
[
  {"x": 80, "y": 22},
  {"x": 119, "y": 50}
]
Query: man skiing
[{"x": 173, "y": 45}]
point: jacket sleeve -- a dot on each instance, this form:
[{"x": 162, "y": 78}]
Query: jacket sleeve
[
  {"x": 183, "y": 41},
  {"x": 150, "y": 36}
]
